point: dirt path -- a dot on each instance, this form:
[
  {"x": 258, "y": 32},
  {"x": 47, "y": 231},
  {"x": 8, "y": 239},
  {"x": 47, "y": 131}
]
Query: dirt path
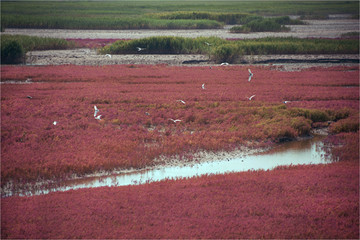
[{"x": 332, "y": 28}]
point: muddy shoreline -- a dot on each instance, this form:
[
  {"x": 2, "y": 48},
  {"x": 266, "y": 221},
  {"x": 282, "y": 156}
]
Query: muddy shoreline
[
  {"x": 84, "y": 56},
  {"x": 162, "y": 162}
]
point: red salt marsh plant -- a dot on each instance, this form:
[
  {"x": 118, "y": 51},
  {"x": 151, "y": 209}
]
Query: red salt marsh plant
[
  {"x": 320, "y": 201},
  {"x": 136, "y": 103}
]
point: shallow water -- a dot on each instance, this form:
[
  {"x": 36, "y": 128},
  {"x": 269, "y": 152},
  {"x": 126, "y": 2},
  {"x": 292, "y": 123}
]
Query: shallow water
[{"x": 309, "y": 151}]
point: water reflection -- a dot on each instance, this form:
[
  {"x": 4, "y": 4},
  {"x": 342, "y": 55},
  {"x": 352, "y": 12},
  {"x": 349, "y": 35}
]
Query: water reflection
[{"x": 308, "y": 151}]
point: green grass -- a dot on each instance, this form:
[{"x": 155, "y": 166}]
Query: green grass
[
  {"x": 30, "y": 43},
  {"x": 147, "y": 14},
  {"x": 14, "y": 47},
  {"x": 106, "y": 22},
  {"x": 231, "y": 51}
]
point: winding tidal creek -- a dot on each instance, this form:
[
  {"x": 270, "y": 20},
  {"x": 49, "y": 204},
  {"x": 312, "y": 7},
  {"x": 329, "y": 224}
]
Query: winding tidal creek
[{"x": 309, "y": 151}]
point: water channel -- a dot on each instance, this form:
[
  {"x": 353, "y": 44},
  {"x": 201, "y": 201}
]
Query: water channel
[{"x": 309, "y": 151}]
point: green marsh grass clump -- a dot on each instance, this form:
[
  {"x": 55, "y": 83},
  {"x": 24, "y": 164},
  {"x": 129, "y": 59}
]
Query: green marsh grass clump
[
  {"x": 230, "y": 53},
  {"x": 220, "y": 50},
  {"x": 30, "y": 43},
  {"x": 350, "y": 35},
  {"x": 12, "y": 52},
  {"x": 106, "y": 22},
  {"x": 226, "y": 18},
  {"x": 276, "y": 24},
  {"x": 163, "y": 45},
  {"x": 14, "y": 47}
]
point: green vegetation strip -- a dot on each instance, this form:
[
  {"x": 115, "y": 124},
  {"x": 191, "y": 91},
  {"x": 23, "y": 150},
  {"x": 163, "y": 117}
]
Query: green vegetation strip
[
  {"x": 231, "y": 51},
  {"x": 159, "y": 14},
  {"x": 14, "y": 47}
]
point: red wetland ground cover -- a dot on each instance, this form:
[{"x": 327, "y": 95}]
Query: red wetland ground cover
[
  {"x": 136, "y": 103},
  {"x": 319, "y": 201}
]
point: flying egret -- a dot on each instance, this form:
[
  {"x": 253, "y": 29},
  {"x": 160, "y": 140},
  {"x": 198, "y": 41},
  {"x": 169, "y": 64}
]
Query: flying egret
[
  {"x": 251, "y": 97},
  {"x": 183, "y": 102},
  {"x": 108, "y": 55},
  {"x": 224, "y": 64},
  {"x": 250, "y": 74},
  {"x": 140, "y": 49},
  {"x": 98, "y": 117},
  {"x": 96, "y": 111},
  {"x": 203, "y": 86},
  {"x": 175, "y": 121}
]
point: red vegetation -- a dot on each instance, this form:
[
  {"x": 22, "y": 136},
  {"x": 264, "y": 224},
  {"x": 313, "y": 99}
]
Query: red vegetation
[
  {"x": 319, "y": 201},
  {"x": 219, "y": 117}
]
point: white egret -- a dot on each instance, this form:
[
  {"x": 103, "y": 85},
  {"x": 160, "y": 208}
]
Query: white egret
[
  {"x": 140, "y": 49},
  {"x": 96, "y": 111},
  {"x": 55, "y": 122},
  {"x": 98, "y": 117},
  {"x": 286, "y": 102},
  {"x": 203, "y": 86},
  {"x": 251, "y": 97},
  {"x": 108, "y": 55},
  {"x": 250, "y": 75},
  {"x": 224, "y": 64},
  {"x": 183, "y": 102},
  {"x": 207, "y": 43},
  {"x": 175, "y": 121},
  {"x": 30, "y": 97}
]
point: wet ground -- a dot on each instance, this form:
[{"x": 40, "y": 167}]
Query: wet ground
[
  {"x": 86, "y": 56},
  {"x": 310, "y": 150}
]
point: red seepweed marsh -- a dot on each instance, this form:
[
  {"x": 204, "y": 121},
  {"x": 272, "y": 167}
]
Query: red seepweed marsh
[{"x": 136, "y": 103}]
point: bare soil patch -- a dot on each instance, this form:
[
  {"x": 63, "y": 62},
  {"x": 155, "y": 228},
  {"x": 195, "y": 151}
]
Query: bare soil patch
[{"x": 90, "y": 57}]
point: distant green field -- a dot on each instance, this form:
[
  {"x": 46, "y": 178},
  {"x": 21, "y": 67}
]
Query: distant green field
[{"x": 143, "y": 14}]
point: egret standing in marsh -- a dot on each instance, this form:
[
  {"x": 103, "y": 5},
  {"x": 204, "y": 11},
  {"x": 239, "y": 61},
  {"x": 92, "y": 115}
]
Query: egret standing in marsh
[
  {"x": 108, "y": 55},
  {"x": 250, "y": 74},
  {"x": 140, "y": 49},
  {"x": 251, "y": 97},
  {"x": 183, "y": 102},
  {"x": 175, "y": 121},
  {"x": 96, "y": 111}
]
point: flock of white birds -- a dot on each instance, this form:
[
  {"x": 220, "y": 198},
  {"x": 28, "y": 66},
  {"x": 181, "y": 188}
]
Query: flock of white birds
[{"x": 98, "y": 117}]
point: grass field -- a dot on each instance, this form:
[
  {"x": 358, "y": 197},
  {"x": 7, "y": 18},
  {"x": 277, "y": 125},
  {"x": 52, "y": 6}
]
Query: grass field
[
  {"x": 221, "y": 50},
  {"x": 138, "y": 14}
]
